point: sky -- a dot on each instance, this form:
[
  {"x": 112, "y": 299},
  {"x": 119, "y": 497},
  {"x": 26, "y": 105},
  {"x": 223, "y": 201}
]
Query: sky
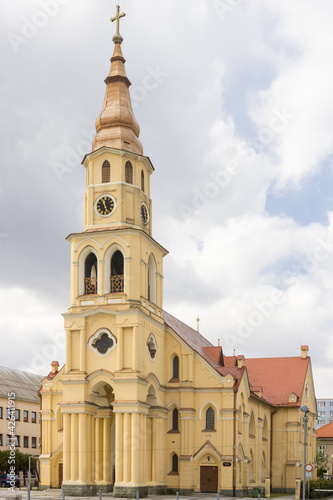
[{"x": 234, "y": 101}]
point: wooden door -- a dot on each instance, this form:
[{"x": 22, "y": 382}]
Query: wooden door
[
  {"x": 61, "y": 469},
  {"x": 208, "y": 479}
]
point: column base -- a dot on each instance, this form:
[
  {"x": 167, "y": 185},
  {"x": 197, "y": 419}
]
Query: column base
[
  {"x": 86, "y": 490},
  {"x": 130, "y": 491}
]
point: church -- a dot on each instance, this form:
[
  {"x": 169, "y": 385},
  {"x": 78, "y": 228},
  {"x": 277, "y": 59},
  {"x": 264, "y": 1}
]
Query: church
[{"x": 144, "y": 403}]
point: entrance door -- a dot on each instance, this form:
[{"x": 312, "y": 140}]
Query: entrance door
[
  {"x": 208, "y": 479},
  {"x": 61, "y": 468}
]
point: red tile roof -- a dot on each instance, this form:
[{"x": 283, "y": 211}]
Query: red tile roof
[
  {"x": 279, "y": 377},
  {"x": 202, "y": 346},
  {"x": 215, "y": 353},
  {"x": 326, "y": 431}
]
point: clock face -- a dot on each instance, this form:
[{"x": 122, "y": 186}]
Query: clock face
[
  {"x": 144, "y": 214},
  {"x": 105, "y": 205}
]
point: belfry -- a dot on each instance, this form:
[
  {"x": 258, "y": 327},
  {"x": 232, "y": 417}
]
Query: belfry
[{"x": 144, "y": 403}]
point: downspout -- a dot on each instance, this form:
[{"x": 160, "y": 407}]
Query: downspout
[
  {"x": 271, "y": 451},
  {"x": 234, "y": 450}
]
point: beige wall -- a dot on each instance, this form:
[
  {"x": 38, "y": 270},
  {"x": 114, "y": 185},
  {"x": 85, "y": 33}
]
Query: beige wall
[{"x": 28, "y": 429}]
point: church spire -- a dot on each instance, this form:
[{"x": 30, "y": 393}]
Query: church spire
[{"x": 116, "y": 126}]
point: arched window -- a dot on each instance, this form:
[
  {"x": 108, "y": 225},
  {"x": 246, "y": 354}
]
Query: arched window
[
  {"x": 106, "y": 172},
  {"x": 117, "y": 272},
  {"x": 151, "y": 279},
  {"x": 210, "y": 419},
  {"x": 175, "y": 367},
  {"x": 142, "y": 181},
  {"x": 175, "y": 420},
  {"x": 90, "y": 274},
  {"x": 174, "y": 464},
  {"x": 129, "y": 172}
]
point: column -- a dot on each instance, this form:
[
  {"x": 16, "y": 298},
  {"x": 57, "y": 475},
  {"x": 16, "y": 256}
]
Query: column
[
  {"x": 74, "y": 423},
  {"x": 135, "y": 458},
  {"x": 67, "y": 447},
  {"x": 68, "y": 350},
  {"x": 98, "y": 449},
  {"x": 89, "y": 477},
  {"x": 92, "y": 444},
  {"x": 83, "y": 351},
  {"x": 82, "y": 448},
  {"x": 120, "y": 348},
  {"x": 142, "y": 443},
  {"x": 107, "y": 450},
  {"x": 135, "y": 353},
  {"x": 149, "y": 423},
  {"x": 127, "y": 447},
  {"x": 119, "y": 447},
  {"x": 49, "y": 435}
]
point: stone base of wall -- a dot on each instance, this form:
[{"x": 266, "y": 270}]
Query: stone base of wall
[
  {"x": 181, "y": 491},
  {"x": 81, "y": 490},
  {"x": 288, "y": 491},
  {"x": 240, "y": 492},
  {"x": 157, "y": 490},
  {"x": 43, "y": 487},
  {"x": 130, "y": 491}
]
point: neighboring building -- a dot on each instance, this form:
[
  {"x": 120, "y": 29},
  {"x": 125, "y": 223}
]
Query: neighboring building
[
  {"x": 325, "y": 443},
  {"x": 324, "y": 412},
  {"x": 19, "y": 405},
  {"x": 144, "y": 401}
]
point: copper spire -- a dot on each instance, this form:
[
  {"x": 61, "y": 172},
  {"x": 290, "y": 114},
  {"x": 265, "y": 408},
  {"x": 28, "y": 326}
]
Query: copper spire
[{"x": 116, "y": 126}]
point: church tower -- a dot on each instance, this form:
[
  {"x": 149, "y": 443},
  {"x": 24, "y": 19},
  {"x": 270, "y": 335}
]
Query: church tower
[{"x": 114, "y": 325}]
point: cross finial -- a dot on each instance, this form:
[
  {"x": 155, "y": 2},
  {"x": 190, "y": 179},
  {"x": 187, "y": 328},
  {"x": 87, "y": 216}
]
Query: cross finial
[{"x": 117, "y": 37}]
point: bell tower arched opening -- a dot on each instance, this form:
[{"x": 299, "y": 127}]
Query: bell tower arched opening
[
  {"x": 117, "y": 272},
  {"x": 90, "y": 274}
]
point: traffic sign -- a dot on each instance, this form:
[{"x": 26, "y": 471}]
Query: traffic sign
[{"x": 309, "y": 468}]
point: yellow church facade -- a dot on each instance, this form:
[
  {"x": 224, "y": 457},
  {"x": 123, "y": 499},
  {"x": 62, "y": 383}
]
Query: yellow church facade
[{"x": 144, "y": 402}]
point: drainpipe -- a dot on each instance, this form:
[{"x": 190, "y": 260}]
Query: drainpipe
[
  {"x": 271, "y": 451},
  {"x": 234, "y": 450}
]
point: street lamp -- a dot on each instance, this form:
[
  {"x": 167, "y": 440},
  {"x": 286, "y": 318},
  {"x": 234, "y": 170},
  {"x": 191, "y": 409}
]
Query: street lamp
[{"x": 305, "y": 410}]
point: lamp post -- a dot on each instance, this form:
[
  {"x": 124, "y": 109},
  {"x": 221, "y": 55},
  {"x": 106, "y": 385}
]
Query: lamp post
[{"x": 305, "y": 410}]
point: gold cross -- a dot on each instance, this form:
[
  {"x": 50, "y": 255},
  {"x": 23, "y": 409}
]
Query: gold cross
[{"x": 117, "y": 17}]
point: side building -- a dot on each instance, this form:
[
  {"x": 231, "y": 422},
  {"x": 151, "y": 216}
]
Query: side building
[
  {"x": 324, "y": 412},
  {"x": 20, "y": 404},
  {"x": 325, "y": 445}
]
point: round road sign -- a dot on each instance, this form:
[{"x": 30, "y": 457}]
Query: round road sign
[{"x": 309, "y": 468}]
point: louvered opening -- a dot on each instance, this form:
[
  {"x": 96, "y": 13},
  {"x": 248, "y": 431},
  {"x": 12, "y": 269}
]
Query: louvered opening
[
  {"x": 106, "y": 172},
  {"x": 142, "y": 181},
  {"x": 129, "y": 173}
]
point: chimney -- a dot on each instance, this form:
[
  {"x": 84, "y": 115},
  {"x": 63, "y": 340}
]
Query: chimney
[
  {"x": 304, "y": 350},
  {"x": 55, "y": 366},
  {"x": 240, "y": 360}
]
